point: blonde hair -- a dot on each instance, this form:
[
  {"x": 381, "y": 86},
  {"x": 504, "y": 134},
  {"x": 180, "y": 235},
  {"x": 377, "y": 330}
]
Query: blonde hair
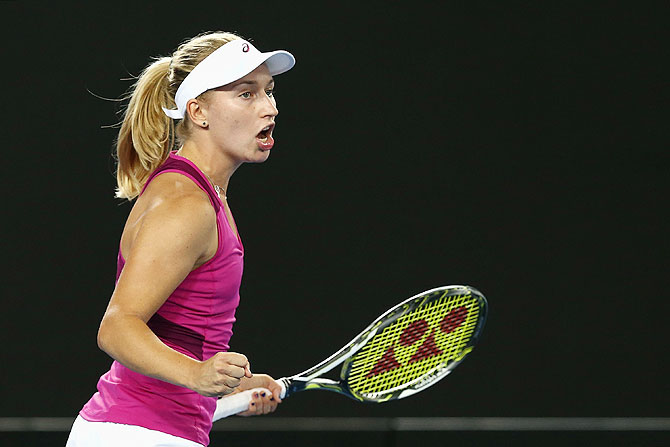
[{"x": 147, "y": 135}]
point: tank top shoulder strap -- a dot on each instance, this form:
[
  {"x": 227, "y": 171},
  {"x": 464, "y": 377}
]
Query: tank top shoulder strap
[{"x": 174, "y": 163}]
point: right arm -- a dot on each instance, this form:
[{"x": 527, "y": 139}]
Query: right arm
[{"x": 172, "y": 238}]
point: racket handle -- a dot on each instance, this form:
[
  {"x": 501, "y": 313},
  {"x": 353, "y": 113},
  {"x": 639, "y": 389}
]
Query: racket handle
[{"x": 238, "y": 402}]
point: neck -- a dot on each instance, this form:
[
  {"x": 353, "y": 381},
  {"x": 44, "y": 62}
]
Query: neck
[{"x": 215, "y": 165}]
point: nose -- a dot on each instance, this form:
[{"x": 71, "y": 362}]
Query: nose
[{"x": 269, "y": 107}]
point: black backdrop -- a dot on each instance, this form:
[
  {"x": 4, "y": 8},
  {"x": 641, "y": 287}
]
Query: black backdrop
[{"x": 520, "y": 149}]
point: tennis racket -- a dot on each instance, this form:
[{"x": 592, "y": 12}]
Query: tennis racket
[{"x": 407, "y": 349}]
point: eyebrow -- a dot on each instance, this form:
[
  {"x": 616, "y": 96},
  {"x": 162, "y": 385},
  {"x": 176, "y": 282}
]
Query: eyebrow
[{"x": 253, "y": 83}]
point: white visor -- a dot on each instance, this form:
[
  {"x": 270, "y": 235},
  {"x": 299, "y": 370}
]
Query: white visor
[{"x": 226, "y": 64}]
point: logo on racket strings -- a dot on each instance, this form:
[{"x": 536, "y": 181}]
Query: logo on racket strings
[{"x": 414, "y": 333}]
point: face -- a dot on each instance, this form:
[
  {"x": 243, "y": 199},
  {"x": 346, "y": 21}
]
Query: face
[{"x": 241, "y": 115}]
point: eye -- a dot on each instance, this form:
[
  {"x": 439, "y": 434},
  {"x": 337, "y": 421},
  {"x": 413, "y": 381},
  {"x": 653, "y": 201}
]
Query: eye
[
  {"x": 270, "y": 92},
  {"x": 246, "y": 95}
]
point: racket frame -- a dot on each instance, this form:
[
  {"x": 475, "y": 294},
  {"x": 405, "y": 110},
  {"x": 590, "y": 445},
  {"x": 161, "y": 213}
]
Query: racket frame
[{"x": 310, "y": 380}]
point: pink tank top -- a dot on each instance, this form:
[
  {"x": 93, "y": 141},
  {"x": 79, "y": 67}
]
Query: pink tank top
[{"x": 196, "y": 320}]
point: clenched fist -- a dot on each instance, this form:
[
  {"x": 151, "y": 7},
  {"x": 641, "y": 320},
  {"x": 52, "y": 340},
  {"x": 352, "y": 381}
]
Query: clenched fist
[{"x": 220, "y": 374}]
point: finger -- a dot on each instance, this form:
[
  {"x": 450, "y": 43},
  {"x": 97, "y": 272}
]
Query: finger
[
  {"x": 252, "y": 410},
  {"x": 274, "y": 389},
  {"x": 230, "y": 382},
  {"x": 247, "y": 371},
  {"x": 269, "y": 407},
  {"x": 261, "y": 403},
  {"x": 227, "y": 381},
  {"x": 269, "y": 404},
  {"x": 256, "y": 405},
  {"x": 231, "y": 370},
  {"x": 276, "y": 394},
  {"x": 237, "y": 359}
]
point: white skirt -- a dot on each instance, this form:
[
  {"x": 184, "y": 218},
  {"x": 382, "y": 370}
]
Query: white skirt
[{"x": 110, "y": 434}]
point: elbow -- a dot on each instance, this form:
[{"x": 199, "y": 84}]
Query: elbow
[
  {"x": 114, "y": 330},
  {"x": 102, "y": 336},
  {"x": 106, "y": 333}
]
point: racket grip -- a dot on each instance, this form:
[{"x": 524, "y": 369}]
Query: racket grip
[
  {"x": 230, "y": 405},
  {"x": 238, "y": 402}
]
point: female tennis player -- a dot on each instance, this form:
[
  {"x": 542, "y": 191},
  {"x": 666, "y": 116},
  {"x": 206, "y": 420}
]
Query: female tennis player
[{"x": 170, "y": 318}]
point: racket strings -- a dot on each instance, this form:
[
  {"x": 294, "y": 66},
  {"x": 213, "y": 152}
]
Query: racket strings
[
  {"x": 419, "y": 363},
  {"x": 432, "y": 335}
]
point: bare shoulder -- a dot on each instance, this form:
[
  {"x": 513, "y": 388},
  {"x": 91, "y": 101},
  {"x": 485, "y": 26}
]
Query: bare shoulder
[
  {"x": 174, "y": 192},
  {"x": 173, "y": 210}
]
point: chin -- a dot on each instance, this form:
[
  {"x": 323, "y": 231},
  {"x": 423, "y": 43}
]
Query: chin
[{"x": 259, "y": 157}]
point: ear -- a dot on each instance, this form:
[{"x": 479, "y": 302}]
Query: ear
[{"x": 197, "y": 113}]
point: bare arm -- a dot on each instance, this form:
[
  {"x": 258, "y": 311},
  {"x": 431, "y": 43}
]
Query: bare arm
[{"x": 173, "y": 236}]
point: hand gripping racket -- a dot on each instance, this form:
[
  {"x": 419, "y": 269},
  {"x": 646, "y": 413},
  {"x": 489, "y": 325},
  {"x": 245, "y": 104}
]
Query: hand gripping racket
[{"x": 407, "y": 349}]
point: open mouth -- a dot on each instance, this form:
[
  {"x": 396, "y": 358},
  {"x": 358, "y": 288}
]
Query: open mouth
[
  {"x": 264, "y": 138},
  {"x": 265, "y": 133}
]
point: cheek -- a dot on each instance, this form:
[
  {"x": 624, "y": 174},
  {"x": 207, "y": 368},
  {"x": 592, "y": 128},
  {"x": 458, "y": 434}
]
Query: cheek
[
  {"x": 224, "y": 123},
  {"x": 231, "y": 132}
]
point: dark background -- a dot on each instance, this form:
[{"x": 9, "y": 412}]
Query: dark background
[{"x": 518, "y": 148}]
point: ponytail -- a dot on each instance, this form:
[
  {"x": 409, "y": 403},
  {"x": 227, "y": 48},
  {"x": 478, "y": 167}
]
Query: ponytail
[{"x": 146, "y": 136}]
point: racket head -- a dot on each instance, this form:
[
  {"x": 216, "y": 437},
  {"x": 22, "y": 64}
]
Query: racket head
[{"x": 415, "y": 344}]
